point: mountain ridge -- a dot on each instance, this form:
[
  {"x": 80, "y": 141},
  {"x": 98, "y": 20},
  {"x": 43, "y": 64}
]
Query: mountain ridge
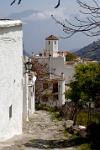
[{"x": 91, "y": 51}]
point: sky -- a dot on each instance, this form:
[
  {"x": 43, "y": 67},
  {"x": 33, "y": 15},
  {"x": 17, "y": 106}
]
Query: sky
[{"x": 38, "y": 24}]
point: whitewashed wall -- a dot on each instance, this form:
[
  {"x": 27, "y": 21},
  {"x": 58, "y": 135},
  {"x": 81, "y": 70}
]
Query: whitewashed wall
[
  {"x": 58, "y": 64},
  {"x": 29, "y": 96},
  {"x": 61, "y": 95},
  {"x": 31, "y": 88},
  {"x": 52, "y": 46},
  {"x": 28, "y": 92},
  {"x": 11, "y": 74}
]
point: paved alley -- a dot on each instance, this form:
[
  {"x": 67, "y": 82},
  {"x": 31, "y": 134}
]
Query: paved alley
[{"x": 40, "y": 133}]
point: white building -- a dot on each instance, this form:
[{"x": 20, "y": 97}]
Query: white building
[
  {"x": 51, "y": 46},
  {"x": 11, "y": 75},
  {"x": 51, "y": 91},
  {"x": 56, "y": 59},
  {"x": 57, "y": 65}
]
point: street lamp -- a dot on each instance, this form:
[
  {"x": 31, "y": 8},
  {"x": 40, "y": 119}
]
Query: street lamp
[{"x": 28, "y": 65}]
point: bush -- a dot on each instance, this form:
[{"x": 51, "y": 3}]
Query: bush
[{"x": 82, "y": 118}]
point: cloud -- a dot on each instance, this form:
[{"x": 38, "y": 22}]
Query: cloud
[
  {"x": 38, "y": 15},
  {"x": 60, "y": 13}
]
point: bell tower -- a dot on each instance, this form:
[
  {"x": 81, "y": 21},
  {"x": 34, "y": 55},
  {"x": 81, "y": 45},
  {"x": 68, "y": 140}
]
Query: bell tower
[{"x": 51, "y": 45}]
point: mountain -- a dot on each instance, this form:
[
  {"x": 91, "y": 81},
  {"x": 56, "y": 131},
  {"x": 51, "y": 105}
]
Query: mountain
[{"x": 91, "y": 51}]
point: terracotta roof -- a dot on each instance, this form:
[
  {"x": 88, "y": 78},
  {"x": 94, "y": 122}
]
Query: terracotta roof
[{"x": 52, "y": 37}]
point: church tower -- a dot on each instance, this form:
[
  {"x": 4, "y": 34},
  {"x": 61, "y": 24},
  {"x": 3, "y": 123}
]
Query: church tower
[{"x": 51, "y": 46}]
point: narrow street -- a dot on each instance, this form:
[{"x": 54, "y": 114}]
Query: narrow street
[{"x": 40, "y": 133}]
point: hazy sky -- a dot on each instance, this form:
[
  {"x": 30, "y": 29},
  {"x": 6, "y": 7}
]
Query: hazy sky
[{"x": 38, "y": 24}]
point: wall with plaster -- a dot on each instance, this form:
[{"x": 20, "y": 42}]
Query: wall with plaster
[{"x": 11, "y": 74}]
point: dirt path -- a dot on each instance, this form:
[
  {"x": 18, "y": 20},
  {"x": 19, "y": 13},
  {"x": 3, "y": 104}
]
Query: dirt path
[{"x": 40, "y": 133}]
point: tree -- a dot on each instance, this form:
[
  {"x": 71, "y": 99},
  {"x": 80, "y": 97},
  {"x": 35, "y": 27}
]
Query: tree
[
  {"x": 88, "y": 76},
  {"x": 85, "y": 86},
  {"x": 74, "y": 94},
  {"x": 19, "y": 2},
  {"x": 70, "y": 57},
  {"x": 90, "y": 26},
  {"x": 89, "y": 79}
]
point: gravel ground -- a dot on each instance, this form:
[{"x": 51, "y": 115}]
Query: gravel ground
[{"x": 40, "y": 133}]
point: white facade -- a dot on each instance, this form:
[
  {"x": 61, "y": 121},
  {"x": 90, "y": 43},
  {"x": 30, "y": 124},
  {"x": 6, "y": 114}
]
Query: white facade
[
  {"x": 11, "y": 74},
  {"x": 61, "y": 94},
  {"x": 57, "y": 64},
  {"x": 51, "y": 46},
  {"x": 29, "y": 96},
  {"x": 32, "y": 95},
  {"x": 55, "y": 98},
  {"x": 28, "y": 93}
]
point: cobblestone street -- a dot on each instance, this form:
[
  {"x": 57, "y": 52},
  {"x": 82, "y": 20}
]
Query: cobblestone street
[{"x": 40, "y": 133}]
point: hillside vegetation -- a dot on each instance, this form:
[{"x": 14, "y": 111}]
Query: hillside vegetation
[{"x": 91, "y": 51}]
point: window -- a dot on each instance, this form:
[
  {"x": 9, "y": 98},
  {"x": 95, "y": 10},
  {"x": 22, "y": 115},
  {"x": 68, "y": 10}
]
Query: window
[
  {"x": 55, "y": 87},
  {"x": 55, "y": 42},
  {"x": 10, "y": 112},
  {"x": 49, "y": 42}
]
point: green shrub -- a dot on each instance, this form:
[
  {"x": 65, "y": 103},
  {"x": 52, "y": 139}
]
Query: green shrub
[
  {"x": 82, "y": 117},
  {"x": 84, "y": 147}
]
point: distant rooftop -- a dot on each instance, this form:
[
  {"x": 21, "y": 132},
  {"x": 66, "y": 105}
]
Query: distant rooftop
[
  {"x": 52, "y": 37},
  {"x": 9, "y": 23}
]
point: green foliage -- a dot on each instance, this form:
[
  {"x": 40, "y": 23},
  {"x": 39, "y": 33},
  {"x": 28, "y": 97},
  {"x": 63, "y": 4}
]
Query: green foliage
[
  {"x": 55, "y": 114},
  {"x": 88, "y": 77},
  {"x": 84, "y": 147},
  {"x": 85, "y": 87},
  {"x": 44, "y": 107},
  {"x": 73, "y": 92},
  {"x": 86, "y": 83},
  {"x": 82, "y": 117},
  {"x": 70, "y": 57}
]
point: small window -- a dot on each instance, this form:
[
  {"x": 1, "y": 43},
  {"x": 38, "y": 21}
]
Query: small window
[
  {"x": 49, "y": 42},
  {"x": 55, "y": 42},
  {"x": 10, "y": 112},
  {"x": 55, "y": 87}
]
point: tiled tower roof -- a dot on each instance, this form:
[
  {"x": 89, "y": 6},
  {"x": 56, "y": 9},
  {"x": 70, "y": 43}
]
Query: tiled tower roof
[{"x": 52, "y": 37}]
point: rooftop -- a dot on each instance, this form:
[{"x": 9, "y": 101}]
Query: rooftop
[{"x": 52, "y": 37}]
